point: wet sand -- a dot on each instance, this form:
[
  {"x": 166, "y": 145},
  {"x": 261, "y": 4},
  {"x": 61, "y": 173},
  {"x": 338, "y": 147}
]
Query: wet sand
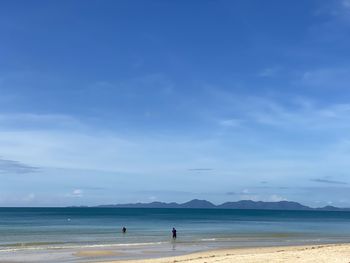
[
  {"x": 333, "y": 253},
  {"x": 95, "y": 253}
]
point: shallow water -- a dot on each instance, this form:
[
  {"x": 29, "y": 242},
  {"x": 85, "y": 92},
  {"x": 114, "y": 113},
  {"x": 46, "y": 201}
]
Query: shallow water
[{"x": 31, "y": 234}]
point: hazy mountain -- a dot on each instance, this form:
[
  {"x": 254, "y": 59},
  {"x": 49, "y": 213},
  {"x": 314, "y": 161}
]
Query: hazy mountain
[
  {"x": 195, "y": 203},
  {"x": 145, "y": 205},
  {"x": 243, "y": 204},
  {"x": 248, "y": 204},
  {"x": 332, "y": 208}
]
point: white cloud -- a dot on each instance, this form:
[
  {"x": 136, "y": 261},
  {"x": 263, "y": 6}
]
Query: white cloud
[
  {"x": 76, "y": 193},
  {"x": 98, "y": 150},
  {"x": 152, "y": 198},
  {"x": 95, "y": 149},
  {"x": 30, "y": 197},
  {"x": 245, "y": 191},
  {"x": 276, "y": 198},
  {"x": 241, "y": 159},
  {"x": 249, "y": 197}
]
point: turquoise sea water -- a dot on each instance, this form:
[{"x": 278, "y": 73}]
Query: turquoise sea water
[{"x": 31, "y": 234}]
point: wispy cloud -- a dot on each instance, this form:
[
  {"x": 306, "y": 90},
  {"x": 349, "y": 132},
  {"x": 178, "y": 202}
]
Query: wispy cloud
[
  {"x": 29, "y": 198},
  {"x": 230, "y": 123},
  {"x": 341, "y": 9},
  {"x": 241, "y": 192},
  {"x": 302, "y": 114},
  {"x": 326, "y": 181},
  {"x": 15, "y": 167},
  {"x": 71, "y": 147},
  {"x": 269, "y": 72},
  {"x": 326, "y": 78},
  {"x": 95, "y": 188},
  {"x": 276, "y": 198},
  {"x": 38, "y": 121},
  {"x": 332, "y": 30},
  {"x": 246, "y": 194},
  {"x": 201, "y": 169},
  {"x": 346, "y": 4}
]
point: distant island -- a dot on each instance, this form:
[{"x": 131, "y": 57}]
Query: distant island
[{"x": 243, "y": 204}]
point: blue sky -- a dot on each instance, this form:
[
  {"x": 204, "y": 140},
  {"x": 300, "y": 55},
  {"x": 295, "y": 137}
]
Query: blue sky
[{"x": 123, "y": 101}]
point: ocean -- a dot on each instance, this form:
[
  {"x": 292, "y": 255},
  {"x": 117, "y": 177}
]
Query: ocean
[{"x": 56, "y": 234}]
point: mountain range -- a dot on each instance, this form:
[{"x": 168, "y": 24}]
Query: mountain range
[{"x": 243, "y": 204}]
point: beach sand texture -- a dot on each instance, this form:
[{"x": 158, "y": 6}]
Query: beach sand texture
[{"x": 339, "y": 253}]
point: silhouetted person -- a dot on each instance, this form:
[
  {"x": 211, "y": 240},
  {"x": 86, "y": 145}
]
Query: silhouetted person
[
  {"x": 174, "y": 233},
  {"x": 124, "y": 229}
]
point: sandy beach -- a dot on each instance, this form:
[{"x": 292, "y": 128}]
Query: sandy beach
[{"x": 337, "y": 253}]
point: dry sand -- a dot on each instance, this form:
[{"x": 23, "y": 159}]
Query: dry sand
[{"x": 339, "y": 253}]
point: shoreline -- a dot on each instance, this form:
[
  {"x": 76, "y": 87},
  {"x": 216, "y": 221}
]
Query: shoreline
[
  {"x": 327, "y": 252},
  {"x": 305, "y": 253}
]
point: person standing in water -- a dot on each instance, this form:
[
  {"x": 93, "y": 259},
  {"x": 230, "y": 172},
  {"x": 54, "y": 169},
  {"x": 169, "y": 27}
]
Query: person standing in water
[
  {"x": 174, "y": 233},
  {"x": 124, "y": 229}
]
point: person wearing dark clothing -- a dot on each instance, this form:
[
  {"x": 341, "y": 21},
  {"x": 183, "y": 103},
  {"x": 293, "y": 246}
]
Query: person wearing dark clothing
[
  {"x": 174, "y": 233},
  {"x": 124, "y": 229}
]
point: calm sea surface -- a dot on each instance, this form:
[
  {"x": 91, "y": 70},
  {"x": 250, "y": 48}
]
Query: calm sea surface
[{"x": 35, "y": 233}]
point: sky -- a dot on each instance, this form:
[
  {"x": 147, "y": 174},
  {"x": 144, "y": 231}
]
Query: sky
[{"x": 105, "y": 102}]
